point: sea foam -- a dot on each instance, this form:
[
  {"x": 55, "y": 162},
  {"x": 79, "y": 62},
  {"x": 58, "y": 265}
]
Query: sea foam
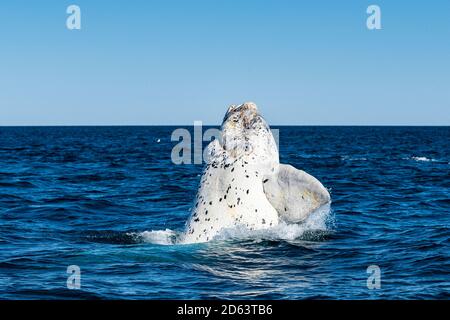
[
  {"x": 425, "y": 159},
  {"x": 318, "y": 222}
]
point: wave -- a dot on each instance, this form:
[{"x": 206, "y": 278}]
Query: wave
[
  {"x": 348, "y": 158},
  {"x": 423, "y": 159},
  {"x": 414, "y": 158},
  {"x": 163, "y": 237}
]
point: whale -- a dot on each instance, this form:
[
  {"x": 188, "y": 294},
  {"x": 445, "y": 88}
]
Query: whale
[{"x": 244, "y": 184}]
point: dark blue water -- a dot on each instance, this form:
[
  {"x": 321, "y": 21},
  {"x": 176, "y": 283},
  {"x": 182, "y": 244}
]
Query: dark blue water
[{"x": 91, "y": 196}]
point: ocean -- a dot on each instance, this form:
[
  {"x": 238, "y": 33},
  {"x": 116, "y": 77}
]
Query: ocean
[{"x": 110, "y": 201}]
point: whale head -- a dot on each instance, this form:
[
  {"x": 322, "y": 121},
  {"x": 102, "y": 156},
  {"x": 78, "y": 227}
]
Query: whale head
[
  {"x": 241, "y": 117},
  {"x": 245, "y": 132}
]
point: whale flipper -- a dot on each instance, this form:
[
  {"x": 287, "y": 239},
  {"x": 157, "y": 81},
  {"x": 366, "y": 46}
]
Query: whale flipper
[{"x": 294, "y": 193}]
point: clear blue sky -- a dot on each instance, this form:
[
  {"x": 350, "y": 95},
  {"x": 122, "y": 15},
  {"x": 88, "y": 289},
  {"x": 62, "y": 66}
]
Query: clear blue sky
[{"x": 173, "y": 62}]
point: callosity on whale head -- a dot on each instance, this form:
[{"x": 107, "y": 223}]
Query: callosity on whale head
[
  {"x": 243, "y": 183},
  {"x": 245, "y": 133}
]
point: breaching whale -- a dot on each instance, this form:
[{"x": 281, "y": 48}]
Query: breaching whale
[{"x": 244, "y": 184}]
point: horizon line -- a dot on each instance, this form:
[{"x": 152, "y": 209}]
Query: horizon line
[{"x": 216, "y": 125}]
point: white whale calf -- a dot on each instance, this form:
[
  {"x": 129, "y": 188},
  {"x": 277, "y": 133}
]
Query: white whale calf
[{"x": 243, "y": 182}]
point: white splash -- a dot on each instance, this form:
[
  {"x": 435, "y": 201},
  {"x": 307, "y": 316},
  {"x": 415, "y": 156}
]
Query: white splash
[
  {"x": 424, "y": 159},
  {"x": 318, "y": 221},
  {"x": 163, "y": 237}
]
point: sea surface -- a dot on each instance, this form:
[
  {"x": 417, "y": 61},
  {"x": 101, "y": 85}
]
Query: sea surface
[{"x": 111, "y": 201}]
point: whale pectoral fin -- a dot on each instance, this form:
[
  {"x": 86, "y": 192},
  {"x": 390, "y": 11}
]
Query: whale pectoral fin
[{"x": 294, "y": 193}]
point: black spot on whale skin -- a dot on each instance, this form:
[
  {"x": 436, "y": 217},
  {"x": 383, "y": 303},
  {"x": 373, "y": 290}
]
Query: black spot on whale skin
[{"x": 265, "y": 180}]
